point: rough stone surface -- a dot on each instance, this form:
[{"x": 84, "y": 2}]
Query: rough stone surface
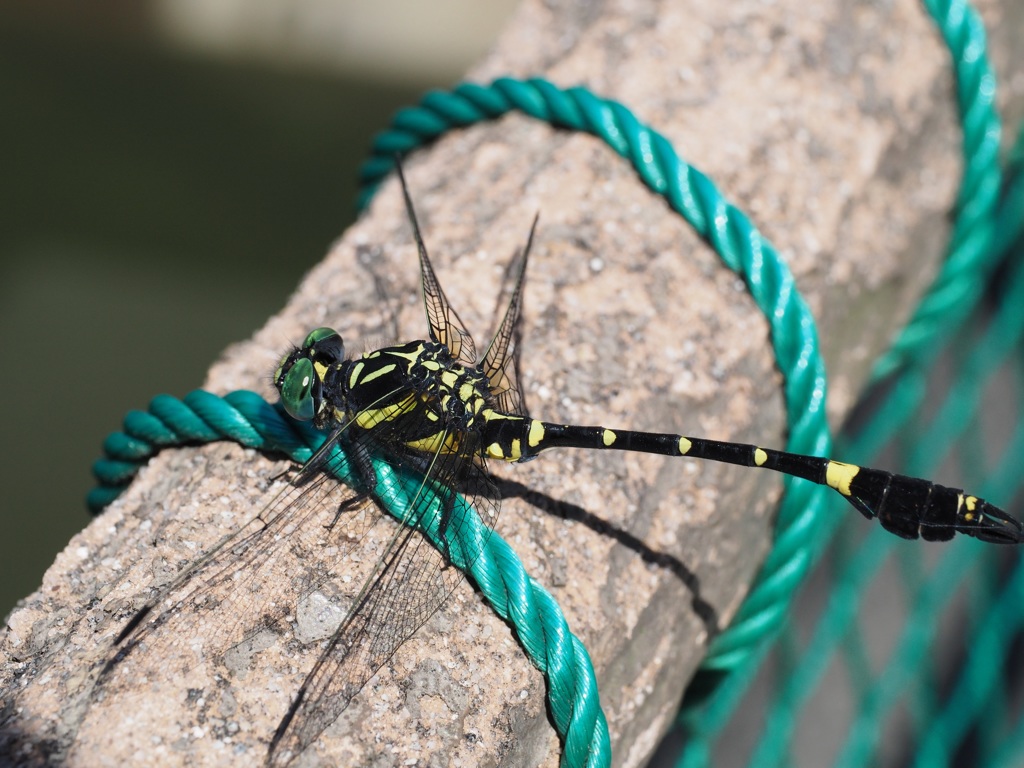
[{"x": 831, "y": 124}]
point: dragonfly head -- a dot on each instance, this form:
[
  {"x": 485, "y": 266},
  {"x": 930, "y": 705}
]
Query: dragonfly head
[{"x": 300, "y": 376}]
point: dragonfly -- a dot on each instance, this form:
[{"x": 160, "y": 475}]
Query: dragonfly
[{"x": 413, "y": 426}]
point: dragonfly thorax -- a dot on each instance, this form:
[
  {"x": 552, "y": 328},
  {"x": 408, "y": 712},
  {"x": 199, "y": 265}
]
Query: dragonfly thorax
[{"x": 419, "y": 378}]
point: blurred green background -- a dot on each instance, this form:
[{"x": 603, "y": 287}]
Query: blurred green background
[{"x": 170, "y": 170}]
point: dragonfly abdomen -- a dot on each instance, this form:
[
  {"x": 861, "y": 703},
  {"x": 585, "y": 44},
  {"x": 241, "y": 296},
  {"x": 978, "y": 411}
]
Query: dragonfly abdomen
[{"x": 906, "y": 506}]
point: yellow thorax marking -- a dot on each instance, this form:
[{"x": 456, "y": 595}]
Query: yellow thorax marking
[
  {"x": 490, "y": 414},
  {"x": 839, "y": 476},
  {"x": 384, "y": 370},
  {"x": 442, "y": 441},
  {"x": 357, "y": 369},
  {"x": 371, "y": 417},
  {"x": 449, "y": 379},
  {"x": 607, "y": 437},
  {"x": 760, "y": 457},
  {"x": 684, "y": 446},
  {"x": 412, "y": 357},
  {"x": 496, "y": 451}
]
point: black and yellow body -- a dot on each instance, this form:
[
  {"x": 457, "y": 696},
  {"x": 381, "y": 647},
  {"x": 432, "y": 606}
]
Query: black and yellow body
[
  {"x": 440, "y": 405},
  {"x": 906, "y": 506},
  {"x": 435, "y": 397}
]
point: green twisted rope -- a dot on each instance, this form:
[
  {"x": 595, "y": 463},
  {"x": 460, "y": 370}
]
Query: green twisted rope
[
  {"x": 969, "y": 260},
  {"x": 245, "y": 418}
]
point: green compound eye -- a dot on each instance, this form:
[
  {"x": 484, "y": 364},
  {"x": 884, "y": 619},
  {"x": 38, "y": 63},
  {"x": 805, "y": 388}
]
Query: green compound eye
[
  {"x": 324, "y": 346},
  {"x": 297, "y": 390},
  {"x": 319, "y": 335}
]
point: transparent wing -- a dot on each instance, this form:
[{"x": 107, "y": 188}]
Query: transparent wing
[
  {"x": 235, "y": 589},
  {"x": 445, "y": 326},
  {"x": 227, "y": 600},
  {"x": 501, "y": 361},
  {"x": 412, "y": 581}
]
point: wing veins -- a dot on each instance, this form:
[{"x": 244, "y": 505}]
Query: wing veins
[
  {"x": 445, "y": 326},
  {"x": 501, "y": 361},
  {"x": 382, "y": 619}
]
